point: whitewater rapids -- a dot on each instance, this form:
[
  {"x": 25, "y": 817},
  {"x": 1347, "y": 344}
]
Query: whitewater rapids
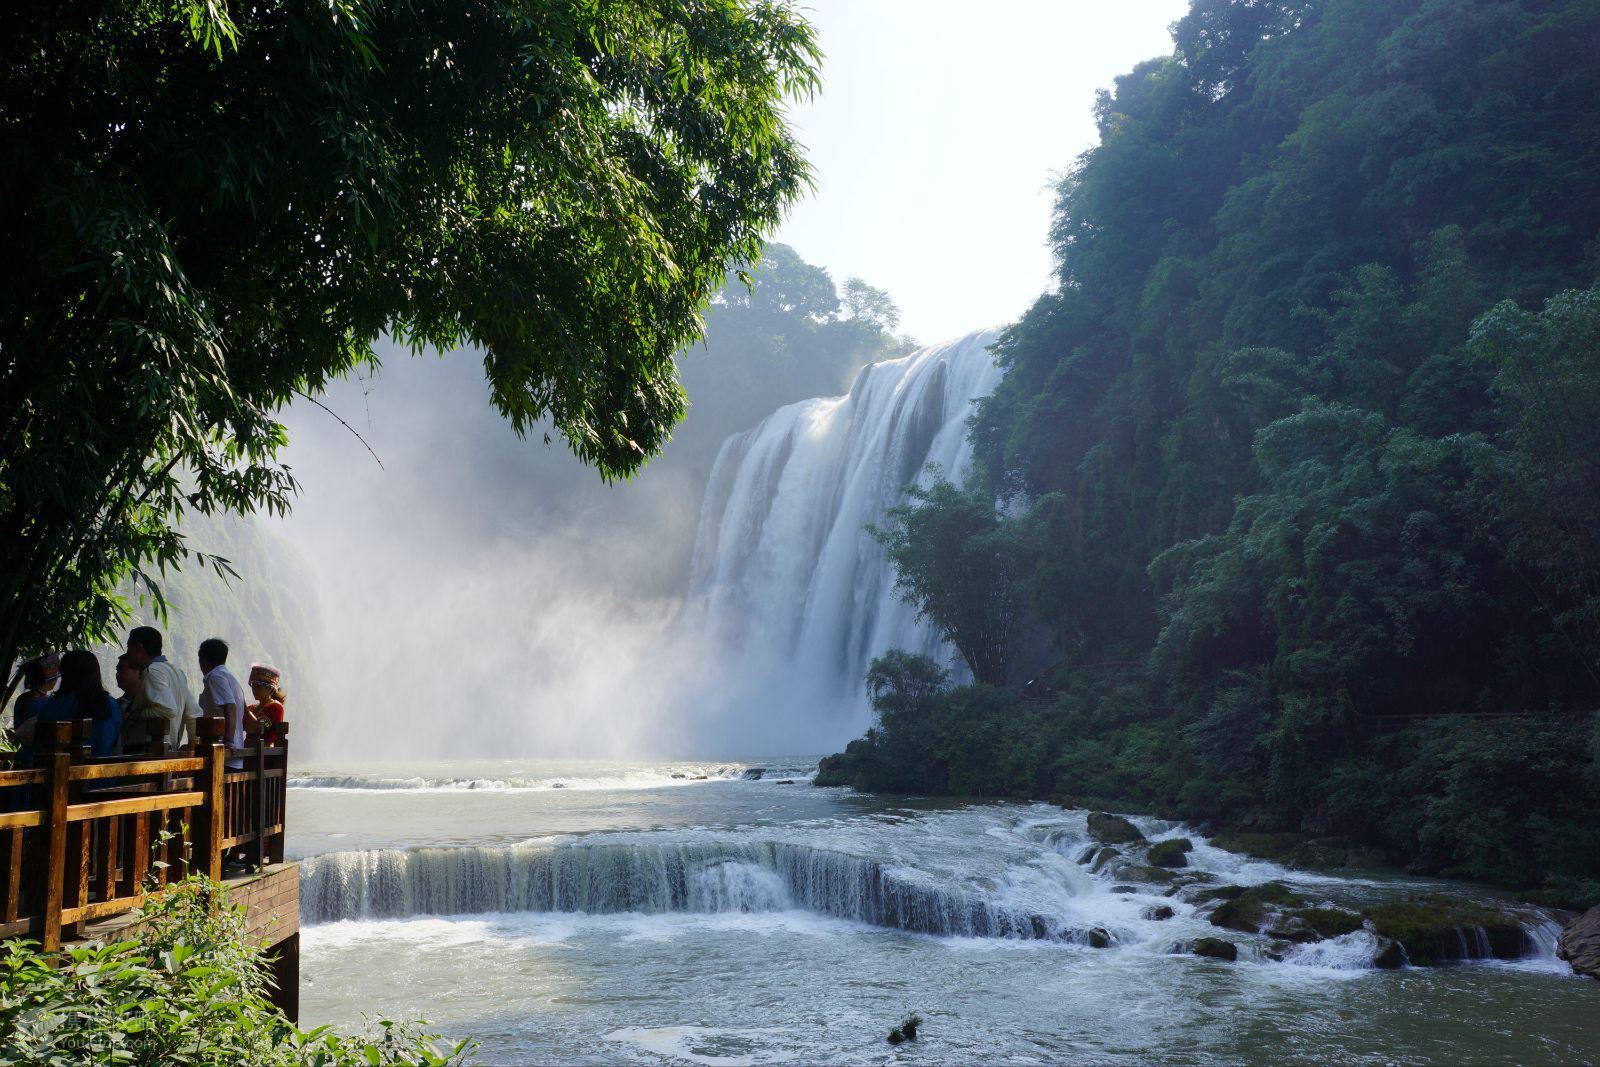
[{"x": 737, "y": 919}]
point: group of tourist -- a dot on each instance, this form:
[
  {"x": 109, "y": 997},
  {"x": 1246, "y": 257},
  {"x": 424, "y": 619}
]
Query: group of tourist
[{"x": 156, "y": 703}]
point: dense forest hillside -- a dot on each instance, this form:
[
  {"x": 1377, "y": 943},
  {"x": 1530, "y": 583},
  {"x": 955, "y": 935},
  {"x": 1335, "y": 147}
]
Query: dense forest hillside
[{"x": 1295, "y": 469}]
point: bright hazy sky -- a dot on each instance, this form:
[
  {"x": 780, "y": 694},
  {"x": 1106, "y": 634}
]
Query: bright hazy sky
[{"x": 936, "y": 137}]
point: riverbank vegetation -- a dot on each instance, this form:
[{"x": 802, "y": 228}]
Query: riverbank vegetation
[
  {"x": 184, "y": 986},
  {"x": 1287, "y": 503}
]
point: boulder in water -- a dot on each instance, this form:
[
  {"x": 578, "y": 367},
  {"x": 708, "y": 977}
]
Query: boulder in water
[
  {"x": 1112, "y": 829},
  {"x": 1104, "y": 856},
  {"x": 1387, "y": 955},
  {"x": 906, "y": 1031},
  {"x": 1099, "y": 937},
  {"x": 1088, "y": 854},
  {"x": 1215, "y": 948},
  {"x": 1580, "y": 943},
  {"x": 1141, "y": 874},
  {"x": 1124, "y": 889},
  {"x": 1291, "y": 928},
  {"x": 1157, "y": 913},
  {"x": 753, "y": 774},
  {"x": 1218, "y": 892},
  {"x": 1329, "y": 922},
  {"x": 679, "y": 774},
  {"x": 1170, "y": 853},
  {"x": 1249, "y": 911},
  {"x": 786, "y": 781},
  {"x": 1439, "y": 929}
]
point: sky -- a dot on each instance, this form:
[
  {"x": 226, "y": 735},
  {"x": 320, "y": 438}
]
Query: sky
[{"x": 937, "y": 138}]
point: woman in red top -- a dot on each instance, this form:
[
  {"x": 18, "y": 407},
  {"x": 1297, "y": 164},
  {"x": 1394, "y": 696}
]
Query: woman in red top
[{"x": 265, "y": 685}]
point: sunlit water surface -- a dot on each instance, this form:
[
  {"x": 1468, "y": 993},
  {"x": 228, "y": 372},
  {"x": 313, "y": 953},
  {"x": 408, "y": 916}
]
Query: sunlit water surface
[{"x": 728, "y": 921}]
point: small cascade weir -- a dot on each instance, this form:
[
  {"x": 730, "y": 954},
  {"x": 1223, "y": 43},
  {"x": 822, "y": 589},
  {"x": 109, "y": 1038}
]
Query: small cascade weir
[{"x": 705, "y": 877}]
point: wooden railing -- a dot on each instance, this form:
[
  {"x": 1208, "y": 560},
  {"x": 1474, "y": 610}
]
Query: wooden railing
[{"x": 83, "y": 839}]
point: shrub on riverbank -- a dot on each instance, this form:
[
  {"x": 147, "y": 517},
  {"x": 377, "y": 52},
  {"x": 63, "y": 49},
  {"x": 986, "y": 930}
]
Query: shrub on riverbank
[{"x": 186, "y": 986}]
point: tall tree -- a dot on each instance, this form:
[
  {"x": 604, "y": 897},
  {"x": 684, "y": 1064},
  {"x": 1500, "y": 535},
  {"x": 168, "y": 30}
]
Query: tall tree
[{"x": 213, "y": 208}]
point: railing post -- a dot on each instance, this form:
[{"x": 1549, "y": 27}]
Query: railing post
[
  {"x": 258, "y": 766},
  {"x": 55, "y": 757},
  {"x": 206, "y": 848},
  {"x": 281, "y": 794}
]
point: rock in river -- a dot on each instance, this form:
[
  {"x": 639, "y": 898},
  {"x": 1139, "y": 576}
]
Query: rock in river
[
  {"x": 1112, "y": 829},
  {"x": 1215, "y": 948},
  {"x": 1580, "y": 944},
  {"x": 1171, "y": 853}
]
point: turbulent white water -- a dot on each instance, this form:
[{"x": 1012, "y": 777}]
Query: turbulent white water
[
  {"x": 786, "y": 576},
  {"x": 763, "y": 920}
]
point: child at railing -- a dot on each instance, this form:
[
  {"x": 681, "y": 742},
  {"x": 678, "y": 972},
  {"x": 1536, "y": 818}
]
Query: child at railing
[{"x": 266, "y": 685}]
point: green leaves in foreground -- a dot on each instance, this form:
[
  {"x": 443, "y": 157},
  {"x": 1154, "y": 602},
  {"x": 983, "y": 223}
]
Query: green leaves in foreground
[{"x": 189, "y": 989}]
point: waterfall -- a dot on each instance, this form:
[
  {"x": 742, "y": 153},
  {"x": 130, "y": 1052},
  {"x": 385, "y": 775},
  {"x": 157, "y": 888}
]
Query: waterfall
[
  {"x": 787, "y": 579},
  {"x": 731, "y": 876}
]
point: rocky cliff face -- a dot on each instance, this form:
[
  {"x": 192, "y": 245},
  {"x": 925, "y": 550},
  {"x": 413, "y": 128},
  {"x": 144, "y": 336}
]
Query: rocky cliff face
[{"x": 1580, "y": 944}]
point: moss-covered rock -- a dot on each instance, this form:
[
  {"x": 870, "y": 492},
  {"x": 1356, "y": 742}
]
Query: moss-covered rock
[
  {"x": 1112, "y": 829},
  {"x": 1329, "y": 922},
  {"x": 1248, "y": 911},
  {"x": 1088, "y": 854},
  {"x": 1170, "y": 853},
  {"x": 1270, "y": 846},
  {"x": 1104, "y": 856},
  {"x": 1215, "y": 948},
  {"x": 1140, "y": 874},
  {"x": 1439, "y": 929},
  {"x": 1217, "y": 892}
]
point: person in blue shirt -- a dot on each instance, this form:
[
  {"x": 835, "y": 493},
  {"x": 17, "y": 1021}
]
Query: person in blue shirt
[{"x": 83, "y": 696}]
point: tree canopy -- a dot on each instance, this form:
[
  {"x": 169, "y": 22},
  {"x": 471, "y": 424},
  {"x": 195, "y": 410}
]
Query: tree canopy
[{"x": 219, "y": 207}]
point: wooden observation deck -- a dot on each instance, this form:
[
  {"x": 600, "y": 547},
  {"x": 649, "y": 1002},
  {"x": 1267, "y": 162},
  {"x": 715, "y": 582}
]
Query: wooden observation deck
[{"x": 84, "y": 840}]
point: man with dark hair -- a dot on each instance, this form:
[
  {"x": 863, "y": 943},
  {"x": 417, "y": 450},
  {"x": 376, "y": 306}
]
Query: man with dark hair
[
  {"x": 221, "y": 694},
  {"x": 146, "y": 639},
  {"x": 164, "y": 699}
]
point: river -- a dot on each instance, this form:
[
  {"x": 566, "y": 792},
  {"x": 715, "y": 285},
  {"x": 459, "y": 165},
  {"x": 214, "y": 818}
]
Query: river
[{"x": 608, "y": 912}]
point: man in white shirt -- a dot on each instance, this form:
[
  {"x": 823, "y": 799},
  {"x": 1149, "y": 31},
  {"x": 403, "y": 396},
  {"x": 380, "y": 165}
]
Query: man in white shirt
[
  {"x": 221, "y": 694},
  {"x": 164, "y": 699}
]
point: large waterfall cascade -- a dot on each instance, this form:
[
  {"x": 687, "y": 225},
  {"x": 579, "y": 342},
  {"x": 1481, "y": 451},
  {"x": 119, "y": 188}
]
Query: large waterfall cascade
[{"x": 787, "y": 577}]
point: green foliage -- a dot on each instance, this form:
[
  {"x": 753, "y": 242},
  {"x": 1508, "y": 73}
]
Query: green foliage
[
  {"x": 1301, "y": 466},
  {"x": 1547, "y": 392},
  {"x": 186, "y": 988},
  {"x": 219, "y": 208},
  {"x": 965, "y": 566}
]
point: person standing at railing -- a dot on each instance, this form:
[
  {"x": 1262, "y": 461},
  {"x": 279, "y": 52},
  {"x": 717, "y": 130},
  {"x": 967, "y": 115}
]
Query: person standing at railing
[
  {"x": 222, "y": 695},
  {"x": 135, "y": 730},
  {"x": 165, "y": 701},
  {"x": 266, "y": 685},
  {"x": 82, "y": 696},
  {"x": 39, "y": 678}
]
